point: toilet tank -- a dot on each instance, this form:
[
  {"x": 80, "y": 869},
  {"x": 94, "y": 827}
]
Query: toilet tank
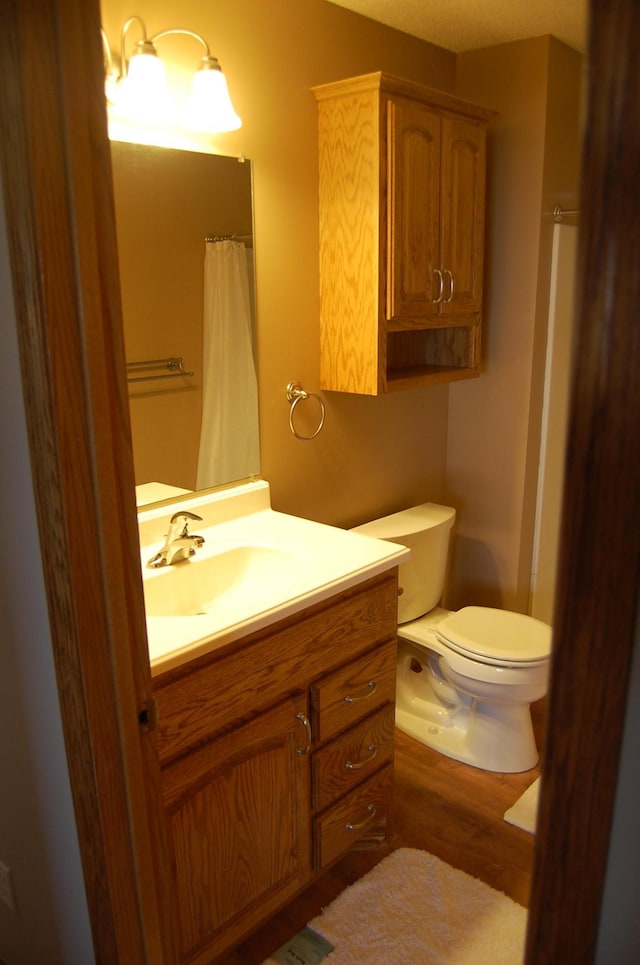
[{"x": 425, "y": 530}]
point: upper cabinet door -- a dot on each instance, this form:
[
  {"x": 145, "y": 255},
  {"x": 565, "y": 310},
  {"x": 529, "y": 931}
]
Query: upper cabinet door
[
  {"x": 462, "y": 216},
  {"x": 414, "y": 280}
]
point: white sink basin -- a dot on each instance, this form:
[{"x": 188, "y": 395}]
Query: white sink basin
[
  {"x": 231, "y": 577},
  {"x": 256, "y": 566}
]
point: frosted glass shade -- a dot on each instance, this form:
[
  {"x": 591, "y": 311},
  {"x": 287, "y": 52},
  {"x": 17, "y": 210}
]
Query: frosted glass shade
[
  {"x": 209, "y": 106},
  {"x": 143, "y": 92}
]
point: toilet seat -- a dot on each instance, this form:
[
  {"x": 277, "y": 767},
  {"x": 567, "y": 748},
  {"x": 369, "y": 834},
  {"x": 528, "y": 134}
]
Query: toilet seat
[{"x": 499, "y": 638}]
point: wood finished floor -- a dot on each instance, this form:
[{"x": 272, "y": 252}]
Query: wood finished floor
[{"x": 454, "y": 811}]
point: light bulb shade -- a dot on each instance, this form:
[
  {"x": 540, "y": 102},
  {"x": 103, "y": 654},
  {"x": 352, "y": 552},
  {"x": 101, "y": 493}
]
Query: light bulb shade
[
  {"x": 143, "y": 94},
  {"x": 209, "y": 107}
]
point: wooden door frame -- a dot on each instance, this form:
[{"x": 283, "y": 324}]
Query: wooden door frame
[
  {"x": 599, "y": 562},
  {"x": 56, "y": 174},
  {"x": 61, "y": 231}
]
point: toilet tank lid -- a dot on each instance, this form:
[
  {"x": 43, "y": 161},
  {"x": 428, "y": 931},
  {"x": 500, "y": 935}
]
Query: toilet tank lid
[{"x": 407, "y": 521}]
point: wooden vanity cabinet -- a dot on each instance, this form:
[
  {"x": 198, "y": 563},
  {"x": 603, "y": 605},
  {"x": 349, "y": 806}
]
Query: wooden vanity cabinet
[
  {"x": 276, "y": 757},
  {"x": 402, "y": 172}
]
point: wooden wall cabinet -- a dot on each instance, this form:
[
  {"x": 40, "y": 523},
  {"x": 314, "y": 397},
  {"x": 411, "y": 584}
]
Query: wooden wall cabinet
[
  {"x": 402, "y": 171},
  {"x": 277, "y": 757}
]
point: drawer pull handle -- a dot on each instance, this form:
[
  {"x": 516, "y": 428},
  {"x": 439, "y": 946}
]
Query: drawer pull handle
[
  {"x": 370, "y": 691},
  {"x": 371, "y": 813},
  {"x": 307, "y": 726},
  {"x": 373, "y": 753}
]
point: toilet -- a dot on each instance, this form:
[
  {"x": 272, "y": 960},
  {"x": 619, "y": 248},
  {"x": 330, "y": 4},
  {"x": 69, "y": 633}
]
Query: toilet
[{"x": 465, "y": 679}]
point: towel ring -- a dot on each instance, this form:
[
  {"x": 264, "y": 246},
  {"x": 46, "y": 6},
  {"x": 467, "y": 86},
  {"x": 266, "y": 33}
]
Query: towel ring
[{"x": 295, "y": 394}]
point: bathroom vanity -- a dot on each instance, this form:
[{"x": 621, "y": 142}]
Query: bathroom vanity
[
  {"x": 275, "y": 737},
  {"x": 402, "y": 204}
]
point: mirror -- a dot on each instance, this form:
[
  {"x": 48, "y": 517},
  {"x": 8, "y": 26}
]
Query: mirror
[{"x": 168, "y": 202}]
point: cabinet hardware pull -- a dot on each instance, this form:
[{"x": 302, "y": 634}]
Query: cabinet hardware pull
[
  {"x": 452, "y": 286},
  {"x": 371, "y": 689},
  {"x": 371, "y": 813},
  {"x": 438, "y": 298},
  {"x": 373, "y": 753},
  {"x": 307, "y": 726}
]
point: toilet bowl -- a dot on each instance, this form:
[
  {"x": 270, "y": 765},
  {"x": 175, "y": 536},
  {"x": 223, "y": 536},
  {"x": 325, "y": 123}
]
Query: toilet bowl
[
  {"x": 472, "y": 703},
  {"x": 465, "y": 679}
]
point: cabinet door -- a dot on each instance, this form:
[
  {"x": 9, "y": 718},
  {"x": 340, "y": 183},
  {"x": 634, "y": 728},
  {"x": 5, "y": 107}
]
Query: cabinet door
[
  {"x": 414, "y": 284},
  {"x": 462, "y": 215},
  {"x": 238, "y": 820}
]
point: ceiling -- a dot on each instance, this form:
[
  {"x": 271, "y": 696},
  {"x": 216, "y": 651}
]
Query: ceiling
[{"x": 460, "y": 25}]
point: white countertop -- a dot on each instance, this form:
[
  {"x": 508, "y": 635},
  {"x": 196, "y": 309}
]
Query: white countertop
[{"x": 311, "y": 562}]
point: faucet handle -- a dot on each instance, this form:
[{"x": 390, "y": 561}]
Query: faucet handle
[
  {"x": 183, "y": 516},
  {"x": 184, "y": 513},
  {"x": 179, "y": 542}
]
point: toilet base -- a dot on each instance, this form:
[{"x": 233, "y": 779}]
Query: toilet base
[{"x": 497, "y": 738}]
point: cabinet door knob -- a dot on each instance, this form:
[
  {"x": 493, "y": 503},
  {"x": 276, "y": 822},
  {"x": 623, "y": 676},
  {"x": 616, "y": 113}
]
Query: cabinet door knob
[
  {"x": 438, "y": 298},
  {"x": 452, "y": 286},
  {"x": 371, "y": 813},
  {"x": 373, "y": 753},
  {"x": 307, "y": 726},
  {"x": 369, "y": 692}
]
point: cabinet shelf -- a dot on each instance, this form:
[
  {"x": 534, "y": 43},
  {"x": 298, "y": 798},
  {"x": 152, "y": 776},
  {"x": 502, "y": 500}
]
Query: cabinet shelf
[
  {"x": 420, "y": 375},
  {"x": 432, "y": 355}
]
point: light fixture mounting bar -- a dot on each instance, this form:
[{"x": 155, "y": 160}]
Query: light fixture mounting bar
[{"x": 181, "y": 30}]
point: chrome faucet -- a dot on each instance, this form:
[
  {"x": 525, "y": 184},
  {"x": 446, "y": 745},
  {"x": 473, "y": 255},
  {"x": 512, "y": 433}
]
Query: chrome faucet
[{"x": 179, "y": 543}]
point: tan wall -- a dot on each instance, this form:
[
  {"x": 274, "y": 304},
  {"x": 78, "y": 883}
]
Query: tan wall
[
  {"x": 494, "y": 422},
  {"x": 472, "y": 444},
  {"x": 374, "y": 455}
]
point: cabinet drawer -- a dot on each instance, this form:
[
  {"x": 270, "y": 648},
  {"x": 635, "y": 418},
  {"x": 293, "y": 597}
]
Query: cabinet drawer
[
  {"x": 352, "y": 757},
  {"x": 362, "y": 813},
  {"x": 342, "y": 698}
]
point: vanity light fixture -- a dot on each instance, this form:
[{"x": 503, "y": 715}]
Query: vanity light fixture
[{"x": 139, "y": 88}]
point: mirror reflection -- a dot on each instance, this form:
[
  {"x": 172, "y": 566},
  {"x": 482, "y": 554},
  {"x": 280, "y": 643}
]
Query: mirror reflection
[{"x": 185, "y": 247}]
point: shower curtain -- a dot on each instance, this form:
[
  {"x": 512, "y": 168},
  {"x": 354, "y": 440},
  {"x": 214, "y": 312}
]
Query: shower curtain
[
  {"x": 555, "y": 412},
  {"x": 229, "y": 441}
]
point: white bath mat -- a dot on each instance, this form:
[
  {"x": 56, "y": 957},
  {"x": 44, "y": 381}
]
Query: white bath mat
[
  {"x": 524, "y": 812},
  {"x": 414, "y": 908}
]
